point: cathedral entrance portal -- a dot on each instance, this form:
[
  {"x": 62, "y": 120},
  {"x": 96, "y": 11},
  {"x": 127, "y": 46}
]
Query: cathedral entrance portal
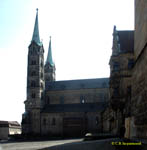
[{"x": 73, "y": 127}]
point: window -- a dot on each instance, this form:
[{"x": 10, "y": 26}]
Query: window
[
  {"x": 104, "y": 84},
  {"x": 61, "y": 100},
  {"x": 100, "y": 95},
  {"x": 130, "y": 63},
  {"x": 33, "y": 95},
  {"x": 116, "y": 66},
  {"x": 116, "y": 92},
  {"x": 41, "y": 74},
  {"x": 47, "y": 100},
  {"x": 44, "y": 122},
  {"x": 96, "y": 120},
  {"x": 33, "y": 83},
  {"x": 82, "y": 85},
  {"x": 82, "y": 100},
  {"x": 41, "y": 85},
  {"x": 53, "y": 121},
  {"x": 42, "y": 95},
  {"x": 34, "y": 50},
  {"x": 33, "y": 62},
  {"x": 41, "y": 63},
  {"x": 33, "y": 73},
  {"x": 129, "y": 90}
]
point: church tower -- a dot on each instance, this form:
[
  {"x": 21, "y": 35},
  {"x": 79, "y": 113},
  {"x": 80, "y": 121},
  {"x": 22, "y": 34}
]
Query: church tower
[
  {"x": 50, "y": 66},
  {"x": 35, "y": 83}
]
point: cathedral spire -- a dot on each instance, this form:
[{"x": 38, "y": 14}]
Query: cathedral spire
[
  {"x": 49, "y": 59},
  {"x": 35, "y": 36}
]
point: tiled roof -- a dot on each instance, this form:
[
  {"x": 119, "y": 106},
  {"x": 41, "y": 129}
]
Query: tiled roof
[
  {"x": 86, "y": 107},
  {"x": 7, "y": 123},
  {"x": 77, "y": 84},
  {"x": 14, "y": 123},
  {"x": 126, "y": 41}
]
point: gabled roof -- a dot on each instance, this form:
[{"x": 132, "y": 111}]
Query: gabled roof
[
  {"x": 126, "y": 41},
  {"x": 77, "y": 84}
]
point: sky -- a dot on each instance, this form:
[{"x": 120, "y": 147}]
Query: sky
[{"x": 81, "y": 33}]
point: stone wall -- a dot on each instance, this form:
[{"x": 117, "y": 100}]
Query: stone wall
[
  {"x": 139, "y": 78},
  {"x": 140, "y": 25},
  {"x": 4, "y": 131},
  {"x": 139, "y": 95},
  {"x": 66, "y": 123},
  {"x": 81, "y": 122}
]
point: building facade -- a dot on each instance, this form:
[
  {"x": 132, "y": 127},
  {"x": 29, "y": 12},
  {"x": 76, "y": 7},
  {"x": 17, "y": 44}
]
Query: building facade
[
  {"x": 138, "y": 118},
  {"x": 9, "y": 128},
  {"x": 128, "y": 80},
  {"x": 74, "y": 107},
  {"x": 121, "y": 64},
  {"x": 59, "y": 108}
]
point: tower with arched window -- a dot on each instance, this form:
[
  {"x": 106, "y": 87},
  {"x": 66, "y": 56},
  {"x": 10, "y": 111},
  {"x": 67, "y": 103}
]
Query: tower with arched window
[{"x": 35, "y": 82}]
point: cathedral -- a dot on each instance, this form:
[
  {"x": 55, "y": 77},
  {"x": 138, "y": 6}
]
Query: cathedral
[
  {"x": 102, "y": 105},
  {"x": 60, "y": 108}
]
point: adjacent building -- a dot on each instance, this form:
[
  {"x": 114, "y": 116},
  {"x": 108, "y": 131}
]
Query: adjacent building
[
  {"x": 9, "y": 128},
  {"x": 128, "y": 82}
]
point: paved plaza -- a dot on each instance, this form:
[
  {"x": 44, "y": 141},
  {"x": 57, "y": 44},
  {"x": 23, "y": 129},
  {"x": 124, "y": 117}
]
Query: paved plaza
[
  {"x": 35, "y": 145},
  {"x": 69, "y": 144}
]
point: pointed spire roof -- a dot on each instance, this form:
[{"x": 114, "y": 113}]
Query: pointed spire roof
[
  {"x": 35, "y": 36},
  {"x": 49, "y": 59}
]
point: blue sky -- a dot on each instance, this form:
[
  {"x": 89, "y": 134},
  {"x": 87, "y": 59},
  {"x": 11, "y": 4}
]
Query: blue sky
[{"x": 81, "y": 33}]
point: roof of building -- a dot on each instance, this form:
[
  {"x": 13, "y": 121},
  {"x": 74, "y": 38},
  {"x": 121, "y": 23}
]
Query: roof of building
[
  {"x": 126, "y": 40},
  {"x": 8, "y": 123},
  {"x": 49, "y": 59},
  {"x": 77, "y": 84},
  {"x": 36, "y": 37},
  {"x": 84, "y": 107}
]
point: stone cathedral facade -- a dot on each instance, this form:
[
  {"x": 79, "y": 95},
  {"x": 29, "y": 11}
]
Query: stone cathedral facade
[{"x": 60, "y": 108}]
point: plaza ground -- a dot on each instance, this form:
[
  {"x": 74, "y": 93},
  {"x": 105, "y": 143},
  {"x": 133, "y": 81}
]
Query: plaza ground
[{"x": 67, "y": 144}]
